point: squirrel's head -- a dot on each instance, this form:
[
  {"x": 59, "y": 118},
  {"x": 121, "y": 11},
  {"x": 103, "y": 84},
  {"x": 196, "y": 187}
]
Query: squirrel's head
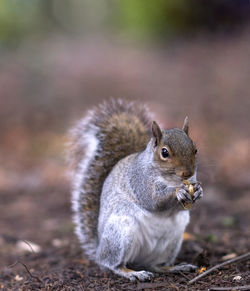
[{"x": 174, "y": 150}]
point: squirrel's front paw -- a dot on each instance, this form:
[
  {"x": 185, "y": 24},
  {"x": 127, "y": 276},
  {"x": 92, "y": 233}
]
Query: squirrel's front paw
[
  {"x": 198, "y": 191},
  {"x": 183, "y": 196},
  {"x": 189, "y": 193}
]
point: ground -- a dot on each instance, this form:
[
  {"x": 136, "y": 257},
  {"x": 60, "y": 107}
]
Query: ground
[{"x": 43, "y": 217}]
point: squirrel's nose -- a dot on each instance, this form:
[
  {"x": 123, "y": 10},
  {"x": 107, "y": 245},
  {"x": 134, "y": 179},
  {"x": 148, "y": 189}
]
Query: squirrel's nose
[{"x": 186, "y": 174}]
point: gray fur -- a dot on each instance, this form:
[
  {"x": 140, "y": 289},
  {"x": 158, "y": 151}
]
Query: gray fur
[
  {"x": 135, "y": 198},
  {"x": 127, "y": 201}
]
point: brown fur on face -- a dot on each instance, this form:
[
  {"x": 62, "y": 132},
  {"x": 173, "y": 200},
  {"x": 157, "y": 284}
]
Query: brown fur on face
[{"x": 181, "y": 148}]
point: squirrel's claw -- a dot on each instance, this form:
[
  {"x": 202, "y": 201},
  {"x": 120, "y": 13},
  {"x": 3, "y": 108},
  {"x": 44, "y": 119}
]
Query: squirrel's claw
[
  {"x": 198, "y": 193},
  {"x": 134, "y": 275},
  {"x": 141, "y": 275},
  {"x": 183, "y": 196}
]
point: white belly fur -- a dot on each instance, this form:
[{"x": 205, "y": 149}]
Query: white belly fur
[{"x": 158, "y": 238}]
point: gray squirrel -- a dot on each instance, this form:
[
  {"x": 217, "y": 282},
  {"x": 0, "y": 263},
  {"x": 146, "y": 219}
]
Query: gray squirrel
[{"x": 128, "y": 193}]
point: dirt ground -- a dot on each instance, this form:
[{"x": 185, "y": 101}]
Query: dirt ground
[{"x": 43, "y": 214}]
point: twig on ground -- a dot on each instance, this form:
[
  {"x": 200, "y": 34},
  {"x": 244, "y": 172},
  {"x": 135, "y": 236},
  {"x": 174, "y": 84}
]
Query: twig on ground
[
  {"x": 184, "y": 275},
  {"x": 12, "y": 265},
  {"x": 239, "y": 258},
  {"x": 246, "y": 287},
  {"x": 26, "y": 268}
]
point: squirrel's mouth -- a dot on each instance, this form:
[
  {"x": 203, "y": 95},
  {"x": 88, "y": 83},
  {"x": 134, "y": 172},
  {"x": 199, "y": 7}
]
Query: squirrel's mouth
[{"x": 185, "y": 174}]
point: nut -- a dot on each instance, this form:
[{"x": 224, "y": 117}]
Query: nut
[
  {"x": 191, "y": 192},
  {"x": 191, "y": 189}
]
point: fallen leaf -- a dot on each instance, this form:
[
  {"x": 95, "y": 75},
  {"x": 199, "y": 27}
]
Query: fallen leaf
[
  {"x": 202, "y": 270},
  {"x": 237, "y": 278},
  {"x": 228, "y": 221},
  {"x": 18, "y": 278},
  {"x": 229, "y": 256},
  {"x": 188, "y": 236},
  {"x": 27, "y": 246},
  {"x": 211, "y": 238}
]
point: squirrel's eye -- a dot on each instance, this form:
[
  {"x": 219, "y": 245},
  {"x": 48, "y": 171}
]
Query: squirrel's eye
[
  {"x": 164, "y": 153},
  {"x": 195, "y": 151}
]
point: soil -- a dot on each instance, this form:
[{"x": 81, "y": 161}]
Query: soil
[{"x": 41, "y": 215}]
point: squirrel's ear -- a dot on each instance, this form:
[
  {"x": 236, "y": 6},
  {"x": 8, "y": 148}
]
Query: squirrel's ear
[
  {"x": 156, "y": 131},
  {"x": 185, "y": 126}
]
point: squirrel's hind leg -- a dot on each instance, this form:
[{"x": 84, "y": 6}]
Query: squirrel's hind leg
[
  {"x": 117, "y": 245},
  {"x": 175, "y": 269}
]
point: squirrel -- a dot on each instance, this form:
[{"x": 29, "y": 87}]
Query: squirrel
[{"x": 128, "y": 189}]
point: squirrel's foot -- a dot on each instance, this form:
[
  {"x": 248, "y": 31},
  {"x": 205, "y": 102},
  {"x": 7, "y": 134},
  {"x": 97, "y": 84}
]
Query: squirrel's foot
[
  {"x": 175, "y": 269},
  {"x": 134, "y": 275},
  {"x": 198, "y": 191}
]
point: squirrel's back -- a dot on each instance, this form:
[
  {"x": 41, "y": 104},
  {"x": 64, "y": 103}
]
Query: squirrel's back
[{"x": 108, "y": 133}]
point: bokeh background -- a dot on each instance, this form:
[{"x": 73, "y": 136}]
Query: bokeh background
[{"x": 60, "y": 57}]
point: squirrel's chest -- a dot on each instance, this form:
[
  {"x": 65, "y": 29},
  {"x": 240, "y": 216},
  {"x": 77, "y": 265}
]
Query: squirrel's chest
[{"x": 159, "y": 238}]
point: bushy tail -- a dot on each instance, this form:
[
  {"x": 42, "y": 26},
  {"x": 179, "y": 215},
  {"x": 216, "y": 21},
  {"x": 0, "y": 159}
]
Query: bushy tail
[{"x": 109, "y": 132}]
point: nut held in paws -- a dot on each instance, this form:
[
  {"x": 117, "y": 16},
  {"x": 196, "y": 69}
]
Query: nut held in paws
[{"x": 191, "y": 192}]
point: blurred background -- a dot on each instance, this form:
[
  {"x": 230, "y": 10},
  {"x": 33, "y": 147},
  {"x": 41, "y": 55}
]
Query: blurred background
[{"x": 60, "y": 57}]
